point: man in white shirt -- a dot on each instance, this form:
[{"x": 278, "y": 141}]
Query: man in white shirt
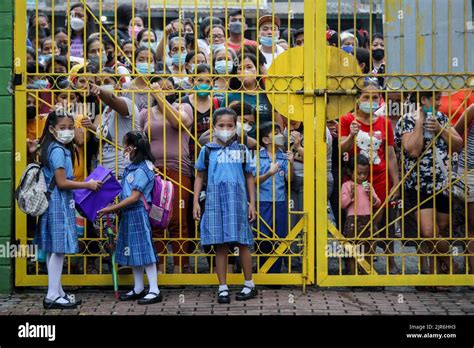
[{"x": 269, "y": 34}]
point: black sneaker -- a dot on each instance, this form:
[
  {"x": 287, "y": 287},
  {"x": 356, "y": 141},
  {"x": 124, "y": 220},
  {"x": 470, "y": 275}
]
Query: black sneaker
[
  {"x": 242, "y": 296},
  {"x": 223, "y": 298}
]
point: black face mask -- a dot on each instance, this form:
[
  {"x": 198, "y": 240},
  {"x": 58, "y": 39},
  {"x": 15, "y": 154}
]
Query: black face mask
[
  {"x": 253, "y": 132},
  {"x": 47, "y": 31},
  {"x": 171, "y": 98},
  {"x": 189, "y": 38},
  {"x": 30, "y": 112},
  {"x": 63, "y": 49},
  {"x": 378, "y": 54},
  {"x": 110, "y": 58}
]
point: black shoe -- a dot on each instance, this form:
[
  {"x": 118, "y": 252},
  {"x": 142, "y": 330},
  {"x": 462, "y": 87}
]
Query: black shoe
[
  {"x": 133, "y": 296},
  {"x": 145, "y": 301},
  {"x": 241, "y": 296},
  {"x": 223, "y": 298},
  {"x": 71, "y": 299},
  {"x": 49, "y": 304}
]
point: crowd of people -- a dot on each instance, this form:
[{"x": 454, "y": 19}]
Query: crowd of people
[{"x": 186, "y": 104}]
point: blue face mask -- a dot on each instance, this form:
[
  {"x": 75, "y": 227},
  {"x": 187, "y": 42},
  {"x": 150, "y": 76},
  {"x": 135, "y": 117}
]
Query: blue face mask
[
  {"x": 215, "y": 47},
  {"x": 151, "y": 45},
  {"x": 44, "y": 58},
  {"x": 268, "y": 41},
  {"x": 366, "y": 107},
  {"x": 40, "y": 84},
  {"x": 203, "y": 89},
  {"x": 223, "y": 68},
  {"x": 179, "y": 59},
  {"x": 145, "y": 68},
  {"x": 95, "y": 60},
  {"x": 348, "y": 49},
  {"x": 429, "y": 109}
]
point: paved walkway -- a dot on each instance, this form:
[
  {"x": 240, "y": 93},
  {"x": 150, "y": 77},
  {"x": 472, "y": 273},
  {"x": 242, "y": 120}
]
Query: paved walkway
[{"x": 285, "y": 301}]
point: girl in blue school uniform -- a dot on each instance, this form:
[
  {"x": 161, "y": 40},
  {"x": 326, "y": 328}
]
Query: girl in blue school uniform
[
  {"x": 56, "y": 231},
  {"x": 134, "y": 241},
  {"x": 230, "y": 201}
]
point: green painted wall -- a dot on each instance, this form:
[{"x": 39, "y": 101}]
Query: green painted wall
[{"x": 6, "y": 141}]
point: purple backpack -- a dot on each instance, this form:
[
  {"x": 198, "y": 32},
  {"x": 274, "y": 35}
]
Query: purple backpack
[{"x": 161, "y": 209}]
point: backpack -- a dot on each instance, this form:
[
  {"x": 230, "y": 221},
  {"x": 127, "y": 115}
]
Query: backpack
[
  {"x": 32, "y": 194},
  {"x": 161, "y": 209}
]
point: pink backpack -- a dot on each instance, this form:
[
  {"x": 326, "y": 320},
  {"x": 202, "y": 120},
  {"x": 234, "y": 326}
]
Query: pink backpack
[{"x": 161, "y": 209}]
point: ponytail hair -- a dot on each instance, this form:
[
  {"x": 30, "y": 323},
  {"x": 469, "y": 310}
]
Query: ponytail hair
[{"x": 139, "y": 141}]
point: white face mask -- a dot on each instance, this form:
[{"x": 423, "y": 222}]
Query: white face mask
[
  {"x": 109, "y": 88},
  {"x": 279, "y": 140},
  {"x": 126, "y": 157},
  {"x": 246, "y": 127},
  {"x": 225, "y": 135},
  {"x": 65, "y": 136},
  {"x": 77, "y": 24}
]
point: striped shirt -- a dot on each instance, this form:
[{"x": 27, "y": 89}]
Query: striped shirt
[{"x": 469, "y": 147}]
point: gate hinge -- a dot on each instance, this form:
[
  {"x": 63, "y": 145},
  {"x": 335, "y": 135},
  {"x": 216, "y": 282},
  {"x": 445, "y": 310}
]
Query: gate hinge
[
  {"x": 323, "y": 92},
  {"x": 17, "y": 79}
]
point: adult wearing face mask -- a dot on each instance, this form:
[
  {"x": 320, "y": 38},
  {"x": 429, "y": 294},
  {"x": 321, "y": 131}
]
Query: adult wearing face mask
[
  {"x": 373, "y": 137},
  {"x": 378, "y": 51},
  {"x": 79, "y": 16},
  {"x": 225, "y": 64},
  {"x": 200, "y": 103},
  {"x": 269, "y": 35},
  {"x": 147, "y": 38},
  {"x": 145, "y": 65},
  {"x": 136, "y": 25},
  {"x": 177, "y": 53},
  {"x": 348, "y": 42},
  {"x": 378, "y": 56},
  {"x": 119, "y": 114},
  {"x": 173, "y": 150},
  {"x": 96, "y": 53},
  {"x": 216, "y": 39},
  {"x": 237, "y": 29}
]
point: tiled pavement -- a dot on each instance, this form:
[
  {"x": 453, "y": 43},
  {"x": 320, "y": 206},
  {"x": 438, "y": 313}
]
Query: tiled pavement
[{"x": 285, "y": 301}]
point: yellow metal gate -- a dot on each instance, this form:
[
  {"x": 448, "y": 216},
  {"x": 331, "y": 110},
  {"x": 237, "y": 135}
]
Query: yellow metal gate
[
  {"x": 315, "y": 84},
  {"x": 410, "y": 237},
  {"x": 44, "y": 81}
]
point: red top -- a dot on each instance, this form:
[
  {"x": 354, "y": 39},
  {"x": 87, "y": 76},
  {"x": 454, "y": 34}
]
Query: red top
[
  {"x": 460, "y": 101},
  {"x": 382, "y": 131},
  {"x": 238, "y": 48}
]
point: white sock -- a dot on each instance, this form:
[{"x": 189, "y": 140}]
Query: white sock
[
  {"x": 152, "y": 276},
  {"x": 224, "y": 288},
  {"x": 248, "y": 284},
  {"x": 138, "y": 277},
  {"x": 55, "y": 269}
]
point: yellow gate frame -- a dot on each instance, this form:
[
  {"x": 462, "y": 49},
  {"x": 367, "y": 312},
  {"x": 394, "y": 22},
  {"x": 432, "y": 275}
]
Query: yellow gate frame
[{"x": 305, "y": 225}]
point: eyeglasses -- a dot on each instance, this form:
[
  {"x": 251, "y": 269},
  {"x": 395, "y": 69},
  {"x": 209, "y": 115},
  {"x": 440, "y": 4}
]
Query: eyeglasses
[{"x": 217, "y": 37}]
